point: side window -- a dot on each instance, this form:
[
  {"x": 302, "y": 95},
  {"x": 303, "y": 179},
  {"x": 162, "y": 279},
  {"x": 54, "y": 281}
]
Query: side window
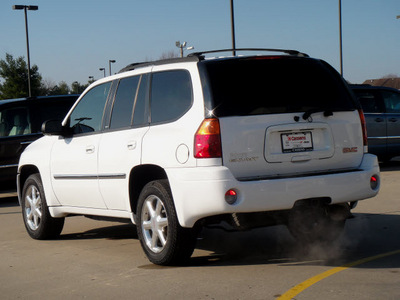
[
  {"x": 369, "y": 102},
  {"x": 15, "y": 121},
  {"x": 123, "y": 104},
  {"x": 392, "y": 101},
  {"x": 141, "y": 114},
  {"x": 171, "y": 95},
  {"x": 88, "y": 114}
]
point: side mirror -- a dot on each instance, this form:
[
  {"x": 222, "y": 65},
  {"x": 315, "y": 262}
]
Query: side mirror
[{"x": 53, "y": 127}]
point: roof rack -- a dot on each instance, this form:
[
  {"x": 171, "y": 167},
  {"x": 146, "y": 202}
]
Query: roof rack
[
  {"x": 134, "y": 66},
  {"x": 196, "y": 56},
  {"x": 290, "y": 52}
]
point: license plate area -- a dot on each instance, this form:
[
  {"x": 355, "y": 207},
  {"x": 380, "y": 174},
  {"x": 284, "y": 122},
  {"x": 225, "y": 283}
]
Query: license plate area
[{"x": 297, "y": 142}]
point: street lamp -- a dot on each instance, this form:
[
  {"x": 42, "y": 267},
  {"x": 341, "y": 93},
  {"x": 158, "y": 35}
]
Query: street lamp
[
  {"x": 233, "y": 30},
  {"x": 91, "y": 78},
  {"x": 104, "y": 71},
  {"x": 340, "y": 37},
  {"x": 182, "y": 47},
  {"x": 109, "y": 64},
  {"x": 25, "y": 8}
]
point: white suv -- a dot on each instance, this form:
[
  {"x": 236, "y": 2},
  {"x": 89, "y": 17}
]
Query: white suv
[{"x": 178, "y": 144}]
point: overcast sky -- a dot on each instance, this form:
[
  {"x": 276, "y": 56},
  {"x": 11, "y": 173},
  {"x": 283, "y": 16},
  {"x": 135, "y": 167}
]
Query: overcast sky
[{"x": 71, "y": 39}]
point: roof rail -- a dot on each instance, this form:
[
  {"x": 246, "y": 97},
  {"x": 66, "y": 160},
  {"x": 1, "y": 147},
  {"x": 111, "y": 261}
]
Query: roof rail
[
  {"x": 134, "y": 66},
  {"x": 290, "y": 52}
]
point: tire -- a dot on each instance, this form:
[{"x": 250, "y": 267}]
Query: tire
[
  {"x": 312, "y": 224},
  {"x": 163, "y": 240},
  {"x": 39, "y": 224}
]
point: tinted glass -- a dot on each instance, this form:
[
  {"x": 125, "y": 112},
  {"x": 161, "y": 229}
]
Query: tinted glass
[
  {"x": 14, "y": 121},
  {"x": 271, "y": 85},
  {"x": 392, "y": 101},
  {"x": 171, "y": 95},
  {"x": 369, "y": 101},
  {"x": 87, "y": 115},
  {"x": 141, "y": 106},
  {"x": 56, "y": 109},
  {"x": 123, "y": 104}
]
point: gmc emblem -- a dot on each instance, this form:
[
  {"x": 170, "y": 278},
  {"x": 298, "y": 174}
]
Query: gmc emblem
[{"x": 350, "y": 149}]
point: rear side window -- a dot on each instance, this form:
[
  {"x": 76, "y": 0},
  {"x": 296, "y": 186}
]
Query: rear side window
[
  {"x": 87, "y": 116},
  {"x": 171, "y": 95},
  {"x": 370, "y": 101},
  {"x": 274, "y": 85}
]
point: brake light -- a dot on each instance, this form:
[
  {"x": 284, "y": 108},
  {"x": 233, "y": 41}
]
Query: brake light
[
  {"x": 364, "y": 130},
  {"x": 207, "y": 141}
]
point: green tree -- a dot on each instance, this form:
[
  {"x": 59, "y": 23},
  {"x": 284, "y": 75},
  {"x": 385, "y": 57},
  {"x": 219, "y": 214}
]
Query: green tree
[
  {"x": 61, "y": 89},
  {"x": 15, "y": 76},
  {"x": 77, "y": 88}
]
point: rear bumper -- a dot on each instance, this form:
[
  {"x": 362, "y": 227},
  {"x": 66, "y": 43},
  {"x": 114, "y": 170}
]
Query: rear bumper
[{"x": 200, "y": 192}]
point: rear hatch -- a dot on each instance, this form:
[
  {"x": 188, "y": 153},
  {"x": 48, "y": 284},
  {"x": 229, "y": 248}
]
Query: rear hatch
[{"x": 283, "y": 116}]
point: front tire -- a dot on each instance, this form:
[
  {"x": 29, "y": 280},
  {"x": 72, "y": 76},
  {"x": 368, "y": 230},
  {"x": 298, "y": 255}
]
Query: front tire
[
  {"x": 39, "y": 224},
  {"x": 163, "y": 240}
]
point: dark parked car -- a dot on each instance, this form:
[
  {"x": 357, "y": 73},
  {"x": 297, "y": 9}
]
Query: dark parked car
[
  {"x": 381, "y": 106},
  {"x": 20, "y": 125}
]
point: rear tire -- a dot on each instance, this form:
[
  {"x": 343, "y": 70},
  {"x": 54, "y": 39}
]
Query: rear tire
[
  {"x": 163, "y": 240},
  {"x": 39, "y": 224}
]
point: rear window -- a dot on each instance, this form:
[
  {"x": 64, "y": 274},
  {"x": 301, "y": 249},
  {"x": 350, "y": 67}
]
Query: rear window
[{"x": 266, "y": 85}]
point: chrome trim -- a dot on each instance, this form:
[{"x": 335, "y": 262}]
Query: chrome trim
[
  {"x": 89, "y": 176},
  {"x": 8, "y": 166},
  {"x": 383, "y": 137}
]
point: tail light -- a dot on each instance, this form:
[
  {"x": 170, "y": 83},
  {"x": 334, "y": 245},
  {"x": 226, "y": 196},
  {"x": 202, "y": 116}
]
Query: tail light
[
  {"x": 364, "y": 130},
  {"x": 207, "y": 141}
]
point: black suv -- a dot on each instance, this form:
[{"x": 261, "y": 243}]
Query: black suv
[
  {"x": 20, "y": 124},
  {"x": 381, "y": 106}
]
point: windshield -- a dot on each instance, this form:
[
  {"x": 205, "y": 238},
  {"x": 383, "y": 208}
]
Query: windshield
[{"x": 274, "y": 85}]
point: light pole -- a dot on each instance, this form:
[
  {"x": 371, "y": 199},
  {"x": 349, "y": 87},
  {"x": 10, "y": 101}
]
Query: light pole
[
  {"x": 109, "y": 64},
  {"x": 91, "y": 78},
  {"x": 25, "y": 8},
  {"x": 233, "y": 30},
  {"x": 340, "y": 37},
  {"x": 104, "y": 71},
  {"x": 182, "y": 47}
]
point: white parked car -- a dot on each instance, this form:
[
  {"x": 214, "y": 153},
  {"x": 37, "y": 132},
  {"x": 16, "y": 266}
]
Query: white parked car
[{"x": 175, "y": 145}]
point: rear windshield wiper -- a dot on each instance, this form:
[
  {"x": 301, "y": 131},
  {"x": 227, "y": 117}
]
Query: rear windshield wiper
[{"x": 308, "y": 113}]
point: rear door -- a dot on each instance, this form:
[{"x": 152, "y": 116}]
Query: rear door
[
  {"x": 121, "y": 144},
  {"x": 283, "y": 116}
]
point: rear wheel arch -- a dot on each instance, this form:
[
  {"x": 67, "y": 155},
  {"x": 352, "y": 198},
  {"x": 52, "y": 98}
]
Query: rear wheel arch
[{"x": 139, "y": 177}]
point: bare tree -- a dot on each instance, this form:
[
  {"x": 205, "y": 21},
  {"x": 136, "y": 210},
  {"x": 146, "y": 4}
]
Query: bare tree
[{"x": 169, "y": 54}]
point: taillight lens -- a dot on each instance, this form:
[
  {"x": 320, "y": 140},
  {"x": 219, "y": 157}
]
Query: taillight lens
[
  {"x": 364, "y": 130},
  {"x": 207, "y": 141}
]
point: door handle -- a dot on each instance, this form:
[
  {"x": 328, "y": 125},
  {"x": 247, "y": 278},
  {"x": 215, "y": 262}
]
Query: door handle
[
  {"x": 131, "y": 145},
  {"x": 379, "y": 120},
  {"x": 90, "y": 149},
  {"x": 392, "y": 119}
]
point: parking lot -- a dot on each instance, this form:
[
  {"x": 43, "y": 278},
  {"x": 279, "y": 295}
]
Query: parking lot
[{"x": 103, "y": 260}]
